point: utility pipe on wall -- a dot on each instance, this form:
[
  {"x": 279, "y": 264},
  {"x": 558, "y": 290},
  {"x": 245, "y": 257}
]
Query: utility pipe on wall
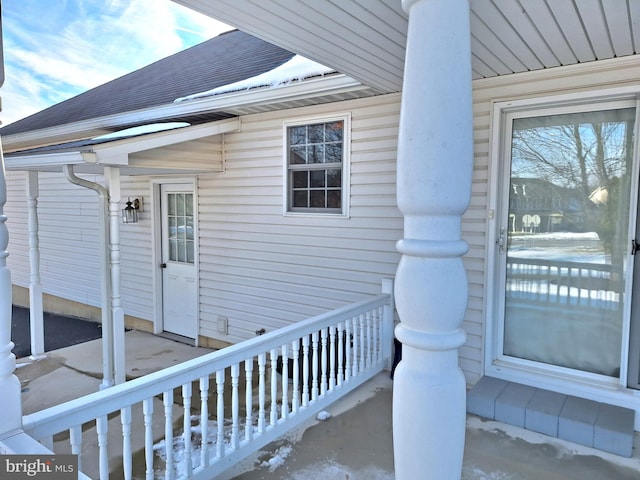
[{"x": 107, "y": 327}]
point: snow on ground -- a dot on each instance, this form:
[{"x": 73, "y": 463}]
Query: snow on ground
[
  {"x": 297, "y": 68},
  {"x": 329, "y": 470},
  {"x": 322, "y": 416},
  {"x": 474, "y": 473},
  {"x": 278, "y": 458}
]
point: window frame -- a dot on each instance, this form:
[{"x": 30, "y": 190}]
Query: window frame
[{"x": 343, "y": 211}]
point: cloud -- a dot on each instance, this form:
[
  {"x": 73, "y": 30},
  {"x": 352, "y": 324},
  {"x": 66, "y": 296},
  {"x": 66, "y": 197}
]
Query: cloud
[{"x": 55, "y": 50}]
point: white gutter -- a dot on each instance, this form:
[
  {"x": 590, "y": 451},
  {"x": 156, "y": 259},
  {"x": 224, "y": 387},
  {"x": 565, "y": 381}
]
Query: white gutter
[
  {"x": 26, "y": 162},
  {"x": 108, "y": 367},
  {"x": 314, "y": 87}
]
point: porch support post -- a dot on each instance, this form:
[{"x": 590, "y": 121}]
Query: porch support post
[
  {"x": 11, "y": 410},
  {"x": 435, "y": 162},
  {"x": 35, "y": 286},
  {"x": 112, "y": 175}
]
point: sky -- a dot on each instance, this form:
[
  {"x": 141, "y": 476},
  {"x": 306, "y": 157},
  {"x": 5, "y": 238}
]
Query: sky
[{"x": 56, "y": 49}]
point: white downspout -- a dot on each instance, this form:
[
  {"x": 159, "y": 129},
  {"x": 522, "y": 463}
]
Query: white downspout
[{"x": 107, "y": 328}]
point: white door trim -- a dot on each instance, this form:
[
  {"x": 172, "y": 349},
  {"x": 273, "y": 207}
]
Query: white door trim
[{"x": 156, "y": 235}]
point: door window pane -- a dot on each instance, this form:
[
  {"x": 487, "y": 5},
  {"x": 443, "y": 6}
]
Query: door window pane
[
  {"x": 180, "y": 222},
  {"x": 567, "y": 239}
]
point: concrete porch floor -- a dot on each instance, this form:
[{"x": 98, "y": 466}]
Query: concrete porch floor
[{"x": 354, "y": 443}]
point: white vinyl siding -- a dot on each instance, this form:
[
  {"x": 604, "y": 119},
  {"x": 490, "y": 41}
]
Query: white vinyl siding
[
  {"x": 136, "y": 253},
  {"x": 70, "y": 262},
  {"x": 261, "y": 269},
  {"x": 68, "y": 239}
]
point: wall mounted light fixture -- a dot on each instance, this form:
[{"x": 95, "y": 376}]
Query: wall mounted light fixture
[{"x": 130, "y": 212}]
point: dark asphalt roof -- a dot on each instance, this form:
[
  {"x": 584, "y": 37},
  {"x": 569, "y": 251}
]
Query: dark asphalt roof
[{"x": 227, "y": 58}]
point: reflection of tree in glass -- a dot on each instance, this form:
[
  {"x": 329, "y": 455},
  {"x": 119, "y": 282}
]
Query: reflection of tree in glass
[{"x": 590, "y": 153}]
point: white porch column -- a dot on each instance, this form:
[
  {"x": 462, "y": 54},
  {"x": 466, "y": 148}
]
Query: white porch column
[
  {"x": 35, "y": 286},
  {"x": 11, "y": 406},
  {"x": 112, "y": 175},
  {"x": 435, "y": 162}
]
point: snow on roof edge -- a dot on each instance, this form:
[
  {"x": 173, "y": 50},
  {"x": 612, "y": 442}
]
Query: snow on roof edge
[{"x": 296, "y": 69}]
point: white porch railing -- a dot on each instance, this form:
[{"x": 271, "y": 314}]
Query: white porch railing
[{"x": 289, "y": 375}]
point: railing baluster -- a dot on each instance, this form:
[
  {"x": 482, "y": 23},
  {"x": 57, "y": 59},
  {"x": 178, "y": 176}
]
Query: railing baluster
[
  {"x": 295, "y": 397},
  {"x": 235, "y": 402},
  {"x": 274, "y": 388},
  {"x": 356, "y": 342},
  {"x": 377, "y": 334},
  {"x": 220, "y": 450},
  {"x": 340, "y": 373},
  {"x": 361, "y": 357},
  {"x": 262, "y": 362},
  {"x": 204, "y": 421},
  {"x": 167, "y": 401},
  {"x": 305, "y": 370},
  {"x": 369, "y": 334},
  {"x": 147, "y": 413},
  {"x": 348, "y": 343},
  {"x": 285, "y": 382},
  {"x": 125, "y": 420},
  {"x": 248, "y": 399},
  {"x": 314, "y": 366},
  {"x": 75, "y": 439},
  {"x": 332, "y": 357},
  {"x": 102, "y": 430},
  {"x": 323, "y": 371},
  {"x": 187, "y": 392}
]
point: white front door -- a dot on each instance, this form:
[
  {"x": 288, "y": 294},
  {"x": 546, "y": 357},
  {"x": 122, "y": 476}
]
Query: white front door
[{"x": 179, "y": 271}]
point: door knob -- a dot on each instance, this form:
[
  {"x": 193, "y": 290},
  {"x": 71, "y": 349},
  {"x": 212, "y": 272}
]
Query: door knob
[{"x": 163, "y": 265}]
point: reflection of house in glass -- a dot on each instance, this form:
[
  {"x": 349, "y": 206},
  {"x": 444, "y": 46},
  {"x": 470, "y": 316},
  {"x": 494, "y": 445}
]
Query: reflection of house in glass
[{"x": 536, "y": 205}]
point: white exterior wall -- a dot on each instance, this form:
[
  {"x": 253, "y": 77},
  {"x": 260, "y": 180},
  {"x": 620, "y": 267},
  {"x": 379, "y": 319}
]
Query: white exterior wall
[
  {"x": 258, "y": 267},
  {"x": 263, "y": 269},
  {"x": 69, "y": 242}
]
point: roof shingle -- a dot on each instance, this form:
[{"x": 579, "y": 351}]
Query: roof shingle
[{"x": 227, "y": 58}]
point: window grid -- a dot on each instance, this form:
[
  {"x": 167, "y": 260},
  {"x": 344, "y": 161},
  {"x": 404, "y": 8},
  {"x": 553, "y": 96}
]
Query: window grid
[
  {"x": 315, "y": 167},
  {"x": 180, "y": 219}
]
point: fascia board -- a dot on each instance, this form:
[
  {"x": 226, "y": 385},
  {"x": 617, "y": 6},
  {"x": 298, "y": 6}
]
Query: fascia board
[
  {"x": 29, "y": 162},
  {"x": 332, "y": 84},
  {"x": 314, "y": 87}
]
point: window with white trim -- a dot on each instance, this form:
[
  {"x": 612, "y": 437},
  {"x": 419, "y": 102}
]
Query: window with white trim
[{"x": 316, "y": 163}]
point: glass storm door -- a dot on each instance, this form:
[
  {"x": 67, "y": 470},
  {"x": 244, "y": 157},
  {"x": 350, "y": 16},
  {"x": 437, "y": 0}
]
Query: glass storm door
[{"x": 565, "y": 241}]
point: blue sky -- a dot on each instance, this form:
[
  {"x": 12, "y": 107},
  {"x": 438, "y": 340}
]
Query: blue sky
[{"x": 55, "y": 49}]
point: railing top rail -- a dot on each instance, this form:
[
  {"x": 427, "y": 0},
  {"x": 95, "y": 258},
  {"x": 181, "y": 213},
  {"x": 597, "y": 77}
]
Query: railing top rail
[
  {"x": 601, "y": 267},
  {"x": 55, "y": 419}
]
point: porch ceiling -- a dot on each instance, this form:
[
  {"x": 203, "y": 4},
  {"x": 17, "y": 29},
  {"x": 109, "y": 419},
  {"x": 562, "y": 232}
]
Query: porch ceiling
[{"x": 365, "y": 39}]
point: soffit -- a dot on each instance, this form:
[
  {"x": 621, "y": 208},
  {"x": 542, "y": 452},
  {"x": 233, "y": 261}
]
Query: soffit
[{"x": 365, "y": 39}]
